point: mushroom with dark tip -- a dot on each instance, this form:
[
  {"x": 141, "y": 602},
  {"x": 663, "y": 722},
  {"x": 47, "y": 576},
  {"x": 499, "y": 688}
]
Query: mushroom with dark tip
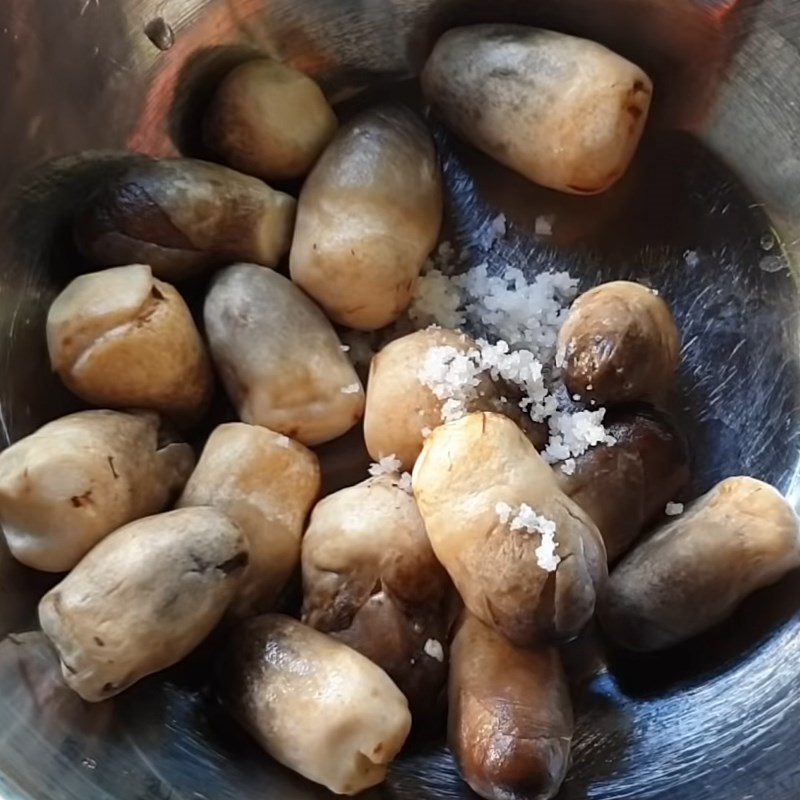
[{"x": 691, "y": 573}]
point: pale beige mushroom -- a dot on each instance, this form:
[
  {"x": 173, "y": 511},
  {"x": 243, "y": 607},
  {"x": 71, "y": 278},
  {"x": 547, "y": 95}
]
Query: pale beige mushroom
[
  {"x": 401, "y": 409},
  {"x": 69, "y": 484},
  {"x": 524, "y": 557},
  {"x": 510, "y": 716},
  {"x": 370, "y": 579},
  {"x": 619, "y": 343},
  {"x": 314, "y": 704},
  {"x": 266, "y": 483},
  {"x": 693, "y": 572},
  {"x": 143, "y": 598},
  {"x": 279, "y": 358},
  {"x": 368, "y": 217},
  {"x": 565, "y": 112},
  {"x": 269, "y": 120},
  {"x": 183, "y": 217},
  {"x": 121, "y": 338}
]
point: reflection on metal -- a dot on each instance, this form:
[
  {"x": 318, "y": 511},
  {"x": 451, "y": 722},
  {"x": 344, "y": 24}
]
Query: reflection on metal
[{"x": 718, "y": 716}]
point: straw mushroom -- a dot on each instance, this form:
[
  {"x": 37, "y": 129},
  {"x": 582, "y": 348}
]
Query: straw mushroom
[
  {"x": 279, "y": 357},
  {"x": 144, "y": 598},
  {"x": 626, "y": 485},
  {"x": 619, "y": 343},
  {"x": 69, "y": 484},
  {"x": 183, "y": 217},
  {"x": 370, "y": 579},
  {"x": 314, "y": 704},
  {"x": 121, "y": 338},
  {"x": 525, "y": 558},
  {"x": 510, "y": 716},
  {"x": 693, "y": 572},
  {"x": 404, "y": 404},
  {"x": 269, "y": 120},
  {"x": 266, "y": 483},
  {"x": 368, "y": 216},
  {"x": 565, "y": 112}
]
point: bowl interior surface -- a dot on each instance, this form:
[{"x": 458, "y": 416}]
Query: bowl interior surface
[{"x": 708, "y": 215}]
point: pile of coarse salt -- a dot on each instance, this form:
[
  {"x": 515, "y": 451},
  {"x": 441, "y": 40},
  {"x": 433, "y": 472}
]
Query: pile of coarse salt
[
  {"x": 390, "y": 466},
  {"x": 524, "y": 518},
  {"x": 510, "y": 309},
  {"x": 572, "y": 434},
  {"x": 521, "y": 318},
  {"x": 453, "y": 376}
]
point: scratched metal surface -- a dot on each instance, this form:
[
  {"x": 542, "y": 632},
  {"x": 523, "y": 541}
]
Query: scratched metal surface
[{"x": 695, "y": 217}]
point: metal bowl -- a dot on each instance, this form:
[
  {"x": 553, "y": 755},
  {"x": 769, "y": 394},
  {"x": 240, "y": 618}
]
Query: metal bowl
[{"x": 709, "y": 214}]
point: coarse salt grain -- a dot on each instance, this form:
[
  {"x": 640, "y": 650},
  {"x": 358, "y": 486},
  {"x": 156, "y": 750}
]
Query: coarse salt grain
[
  {"x": 404, "y": 482},
  {"x": 434, "y": 649},
  {"x": 426, "y": 432},
  {"x": 388, "y": 465},
  {"x": 571, "y": 435},
  {"x": 543, "y": 225},
  {"x": 508, "y": 305},
  {"x": 353, "y": 388},
  {"x": 674, "y": 509},
  {"x": 526, "y": 519},
  {"x": 436, "y": 299},
  {"x": 569, "y": 466},
  {"x": 345, "y": 348},
  {"x": 283, "y": 441}
]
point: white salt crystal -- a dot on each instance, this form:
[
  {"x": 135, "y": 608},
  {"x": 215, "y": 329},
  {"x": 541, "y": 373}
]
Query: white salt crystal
[
  {"x": 434, "y": 649},
  {"x": 526, "y": 519},
  {"x": 546, "y": 556},
  {"x": 404, "y": 482},
  {"x": 283, "y": 441},
  {"x": 426, "y": 432},
  {"x": 345, "y": 348},
  {"x": 388, "y": 465},
  {"x": 436, "y": 299},
  {"x": 503, "y": 511},
  {"x": 569, "y": 466},
  {"x": 571, "y": 435},
  {"x": 353, "y": 388},
  {"x": 543, "y": 225},
  {"x": 674, "y": 509}
]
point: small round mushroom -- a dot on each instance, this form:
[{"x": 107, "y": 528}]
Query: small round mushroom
[
  {"x": 525, "y": 558},
  {"x": 510, "y": 716},
  {"x": 278, "y": 356},
  {"x": 564, "y": 112},
  {"x": 619, "y": 343},
  {"x": 370, "y": 579},
  {"x": 183, "y": 217},
  {"x": 693, "y": 572},
  {"x": 625, "y": 486},
  {"x": 402, "y": 409},
  {"x": 314, "y": 704},
  {"x": 266, "y": 483},
  {"x": 368, "y": 216},
  {"x": 143, "y": 598},
  {"x": 66, "y": 486},
  {"x": 269, "y": 120},
  {"x": 121, "y": 338}
]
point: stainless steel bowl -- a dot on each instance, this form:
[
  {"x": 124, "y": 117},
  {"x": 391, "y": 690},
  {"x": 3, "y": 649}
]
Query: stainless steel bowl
[{"x": 710, "y": 215}]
